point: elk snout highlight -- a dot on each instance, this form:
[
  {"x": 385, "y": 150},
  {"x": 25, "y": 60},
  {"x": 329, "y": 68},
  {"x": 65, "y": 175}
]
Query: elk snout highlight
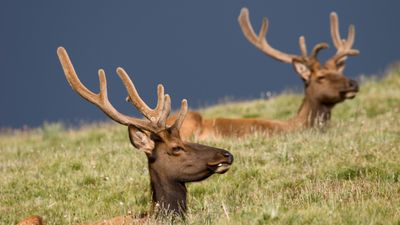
[
  {"x": 353, "y": 85},
  {"x": 352, "y": 90},
  {"x": 228, "y": 156}
]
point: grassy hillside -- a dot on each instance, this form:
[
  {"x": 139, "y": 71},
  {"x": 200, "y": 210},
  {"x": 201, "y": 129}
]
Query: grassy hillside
[{"x": 348, "y": 173}]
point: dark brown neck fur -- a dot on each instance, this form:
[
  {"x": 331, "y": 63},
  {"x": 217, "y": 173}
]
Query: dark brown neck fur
[
  {"x": 312, "y": 113},
  {"x": 168, "y": 196}
]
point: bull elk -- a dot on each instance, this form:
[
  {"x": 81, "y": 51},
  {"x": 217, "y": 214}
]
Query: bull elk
[
  {"x": 172, "y": 162},
  {"x": 324, "y": 85}
]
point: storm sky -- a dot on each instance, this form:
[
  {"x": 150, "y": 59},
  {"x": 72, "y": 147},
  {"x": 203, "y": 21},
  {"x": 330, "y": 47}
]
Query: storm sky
[{"x": 195, "y": 48}]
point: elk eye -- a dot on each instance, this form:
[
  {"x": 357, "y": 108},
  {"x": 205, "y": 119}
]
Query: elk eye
[
  {"x": 319, "y": 78},
  {"x": 176, "y": 150}
]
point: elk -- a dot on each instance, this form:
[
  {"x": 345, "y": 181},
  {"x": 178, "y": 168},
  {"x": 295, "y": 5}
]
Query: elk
[
  {"x": 324, "y": 86},
  {"x": 172, "y": 162}
]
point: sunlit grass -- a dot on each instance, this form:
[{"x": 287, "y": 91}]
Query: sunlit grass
[{"x": 348, "y": 173}]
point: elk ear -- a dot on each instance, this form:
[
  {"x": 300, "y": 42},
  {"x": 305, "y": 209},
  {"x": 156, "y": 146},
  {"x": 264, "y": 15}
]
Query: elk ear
[
  {"x": 141, "y": 140},
  {"x": 302, "y": 69}
]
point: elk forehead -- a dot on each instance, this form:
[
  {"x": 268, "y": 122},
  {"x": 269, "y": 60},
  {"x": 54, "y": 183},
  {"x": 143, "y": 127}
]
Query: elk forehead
[
  {"x": 326, "y": 72},
  {"x": 170, "y": 137}
]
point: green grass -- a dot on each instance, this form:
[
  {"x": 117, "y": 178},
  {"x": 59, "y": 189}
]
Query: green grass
[{"x": 348, "y": 173}]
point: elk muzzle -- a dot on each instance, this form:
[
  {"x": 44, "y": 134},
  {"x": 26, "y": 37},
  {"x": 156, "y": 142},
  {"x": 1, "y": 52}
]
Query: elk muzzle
[
  {"x": 352, "y": 90},
  {"x": 223, "y": 164}
]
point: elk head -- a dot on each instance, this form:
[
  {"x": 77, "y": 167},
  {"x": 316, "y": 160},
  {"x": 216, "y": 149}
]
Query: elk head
[
  {"x": 324, "y": 83},
  {"x": 172, "y": 162}
]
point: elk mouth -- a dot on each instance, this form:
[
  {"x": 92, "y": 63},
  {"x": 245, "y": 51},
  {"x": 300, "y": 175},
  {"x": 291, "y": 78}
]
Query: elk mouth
[
  {"x": 349, "y": 93},
  {"x": 220, "y": 167},
  {"x": 351, "y": 90}
]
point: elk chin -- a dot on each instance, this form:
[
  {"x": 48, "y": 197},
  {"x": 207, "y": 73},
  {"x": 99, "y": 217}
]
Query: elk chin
[
  {"x": 219, "y": 168},
  {"x": 196, "y": 174},
  {"x": 222, "y": 168},
  {"x": 351, "y": 94}
]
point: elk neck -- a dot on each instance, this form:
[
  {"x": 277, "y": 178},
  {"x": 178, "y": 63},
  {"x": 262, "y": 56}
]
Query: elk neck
[
  {"x": 168, "y": 196},
  {"x": 312, "y": 113}
]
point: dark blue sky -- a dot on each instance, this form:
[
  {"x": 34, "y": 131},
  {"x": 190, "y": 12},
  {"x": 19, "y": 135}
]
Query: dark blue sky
[{"x": 195, "y": 48}]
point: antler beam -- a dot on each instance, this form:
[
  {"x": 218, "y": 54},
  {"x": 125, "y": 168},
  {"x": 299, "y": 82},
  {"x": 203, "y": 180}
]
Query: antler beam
[
  {"x": 156, "y": 118},
  {"x": 261, "y": 42}
]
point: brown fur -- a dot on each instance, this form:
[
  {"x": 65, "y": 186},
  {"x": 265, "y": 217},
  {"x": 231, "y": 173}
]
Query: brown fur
[
  {"x": 324, "y": 87},
  {"x": 121, "y": 220},
  {"x": 172, "y": 162},
  {"x": 32, "y": 220},
  {"x": 321, "y": 95},
  {"x": 196, "y": 126}
]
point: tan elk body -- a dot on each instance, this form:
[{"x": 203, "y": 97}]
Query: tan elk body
[
  {"x": 172, "y": 162},
  {"x": 324, "y": 86}
]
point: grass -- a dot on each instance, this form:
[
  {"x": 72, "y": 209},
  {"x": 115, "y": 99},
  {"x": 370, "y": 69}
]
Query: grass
[{"x": 348, "y": 173}]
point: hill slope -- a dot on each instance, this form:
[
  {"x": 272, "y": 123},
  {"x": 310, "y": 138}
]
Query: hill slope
[{"x": 348, "y": 173}]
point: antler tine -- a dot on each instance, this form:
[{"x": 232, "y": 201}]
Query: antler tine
[
  {"x": 160, "y": 99},
  {"x": 336, "y": 39},
  {"x": 152, "y": 115},
  {"x": 303, "y": 46},
  {"x": 165, "y": 112},
  {"x": 343, "y": 46},
  {"x": 101, "y": 99},
  {"x": 318, "y": 47},
  {"x": 72, "y": 77},
  {"x": 351, "y": 34},
  {"x": 247, "y": 29},
  {"x": 159, "y": 115},
  {"x": 182, "y": 114},
  {"x": 260, "y": 41},
  {"x": 342, "y": 56}
]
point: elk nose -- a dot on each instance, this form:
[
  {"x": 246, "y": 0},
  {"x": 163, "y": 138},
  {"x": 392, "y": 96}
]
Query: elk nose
[
  {"x": 353, "y": 84},
  {"x": 229, "y": 156}
]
